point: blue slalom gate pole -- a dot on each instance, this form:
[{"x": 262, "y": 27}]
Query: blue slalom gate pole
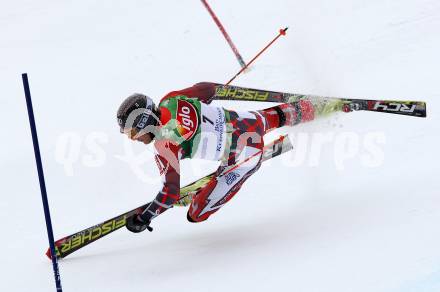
[{"x": 30, "y": 110}]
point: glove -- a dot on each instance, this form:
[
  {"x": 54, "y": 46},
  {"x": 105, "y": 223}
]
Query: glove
[{"x": 136, "y": 224}]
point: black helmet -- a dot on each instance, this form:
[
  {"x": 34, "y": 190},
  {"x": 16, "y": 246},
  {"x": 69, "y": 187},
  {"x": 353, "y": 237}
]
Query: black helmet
[{"x": 137, "y": 112}]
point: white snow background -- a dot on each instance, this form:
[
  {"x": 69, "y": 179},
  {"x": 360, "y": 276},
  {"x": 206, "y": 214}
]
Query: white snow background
[{"x": 308, "y": 226}]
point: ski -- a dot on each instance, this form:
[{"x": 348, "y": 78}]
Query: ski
[
  {"x": 75, "y": 241},
  {"x": 408, "y": 108},
  {"x": 69, "y": 244}
]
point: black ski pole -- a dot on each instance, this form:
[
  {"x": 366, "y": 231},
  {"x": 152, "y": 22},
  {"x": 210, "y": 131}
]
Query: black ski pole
[{"x": 30, "y": 110}]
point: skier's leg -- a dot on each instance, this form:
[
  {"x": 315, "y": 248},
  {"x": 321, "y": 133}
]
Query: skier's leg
[
  {"x": 222, "y": 188},
  {"x": 290, "y": 114},
  {"x": 245, "y": 153}
]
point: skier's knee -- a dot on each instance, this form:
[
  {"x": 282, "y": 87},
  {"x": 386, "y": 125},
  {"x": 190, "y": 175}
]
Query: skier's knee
[
  {"x": 281, "y": 116},
  {"x": 190, "y": 219}
]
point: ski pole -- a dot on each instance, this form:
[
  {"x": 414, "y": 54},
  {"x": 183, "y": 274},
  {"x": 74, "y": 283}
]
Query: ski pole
[
  {"x": 225, "y": 34},
  {"x": 281, "y": 32},
  {"x": 27, "y": 92}
]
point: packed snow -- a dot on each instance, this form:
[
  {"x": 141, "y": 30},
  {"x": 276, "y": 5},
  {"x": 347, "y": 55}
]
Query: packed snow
[{"x": 354, "y": 207}]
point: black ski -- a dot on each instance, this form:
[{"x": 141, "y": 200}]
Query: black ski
[{"x": 408, "y": 108}]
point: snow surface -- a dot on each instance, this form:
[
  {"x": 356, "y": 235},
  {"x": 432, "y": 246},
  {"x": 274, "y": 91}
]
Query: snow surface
[{"x": 310, "y": 222}]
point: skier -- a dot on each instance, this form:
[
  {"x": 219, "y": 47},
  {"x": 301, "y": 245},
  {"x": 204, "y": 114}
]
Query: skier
[{"x": 184, "y": 125}]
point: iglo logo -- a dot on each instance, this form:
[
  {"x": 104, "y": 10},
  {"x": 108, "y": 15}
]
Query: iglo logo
[{"x": 187, "y": 118}]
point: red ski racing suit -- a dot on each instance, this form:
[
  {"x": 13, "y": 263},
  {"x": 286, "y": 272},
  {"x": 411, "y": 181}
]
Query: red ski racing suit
[{"x": 190, "y": 128}]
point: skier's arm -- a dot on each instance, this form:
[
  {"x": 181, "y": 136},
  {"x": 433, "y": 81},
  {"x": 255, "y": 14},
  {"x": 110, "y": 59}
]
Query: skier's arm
[
  {"x": 203, "y": 91},
  {"x": 167, "y": 159}
]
